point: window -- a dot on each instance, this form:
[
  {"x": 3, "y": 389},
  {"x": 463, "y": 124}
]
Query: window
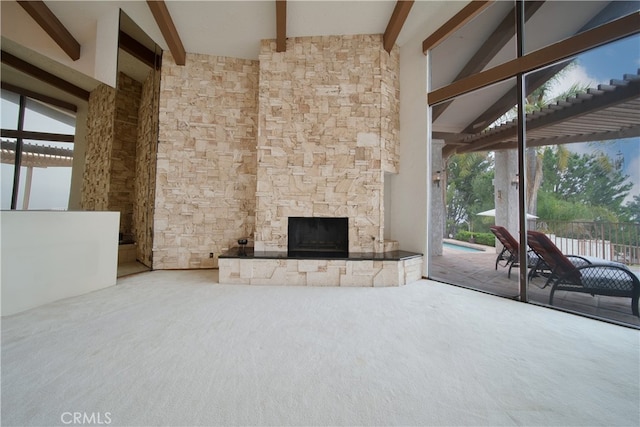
[
  {"x": 570, "y": 171},
  {"x": 37, "y": 153}
]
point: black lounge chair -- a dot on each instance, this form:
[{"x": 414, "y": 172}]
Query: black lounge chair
[{"x": 602, "y": 278}]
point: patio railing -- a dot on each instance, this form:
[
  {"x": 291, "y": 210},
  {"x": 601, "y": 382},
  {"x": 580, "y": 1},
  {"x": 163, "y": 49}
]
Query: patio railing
[{"x": 611, "y": 241}]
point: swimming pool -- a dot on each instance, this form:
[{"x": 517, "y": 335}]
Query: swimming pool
[{"x": 462, "y": 248}]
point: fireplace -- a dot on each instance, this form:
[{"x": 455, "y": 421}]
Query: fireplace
[{"x": 318, "y": 237}]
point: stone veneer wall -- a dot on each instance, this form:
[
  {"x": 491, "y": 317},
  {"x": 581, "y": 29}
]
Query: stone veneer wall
[
  {"x": 390, "y": 110},
  {"x": 100, "y": 135},
  {"x": 328, "y": 125},
  {"x": 317, "y": 272},
  {"x": 145, "y": 179},
  {"x": 123, "y": 152},
  {"x": 206, "y": 170}
]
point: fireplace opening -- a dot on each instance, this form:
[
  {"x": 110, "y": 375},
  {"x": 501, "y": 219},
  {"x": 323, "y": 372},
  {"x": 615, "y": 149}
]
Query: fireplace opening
[{"x": 323, "y": 237}]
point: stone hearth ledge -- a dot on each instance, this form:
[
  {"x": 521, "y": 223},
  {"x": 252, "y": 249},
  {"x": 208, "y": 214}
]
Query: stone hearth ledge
[{"x": 395, "y": 268}]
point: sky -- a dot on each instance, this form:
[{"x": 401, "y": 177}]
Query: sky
[{"x": 599, "y": 66}]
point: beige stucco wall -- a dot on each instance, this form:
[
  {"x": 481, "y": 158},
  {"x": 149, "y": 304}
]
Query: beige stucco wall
[
  {"x": 328, "y": 120},
  {"x": 206, "y": 170}
]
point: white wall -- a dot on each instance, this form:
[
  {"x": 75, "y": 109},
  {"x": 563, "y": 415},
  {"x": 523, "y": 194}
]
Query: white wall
[
  {"x": 19, "y": 27},
  {"x": 409, "y": 188},
  {"x": 48, "y": 255}
]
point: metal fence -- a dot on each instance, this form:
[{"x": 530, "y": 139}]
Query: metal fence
[{"x": 611, "y": 241}]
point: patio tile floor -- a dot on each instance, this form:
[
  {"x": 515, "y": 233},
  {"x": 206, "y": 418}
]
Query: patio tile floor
[{"x": 476, "y": 270}]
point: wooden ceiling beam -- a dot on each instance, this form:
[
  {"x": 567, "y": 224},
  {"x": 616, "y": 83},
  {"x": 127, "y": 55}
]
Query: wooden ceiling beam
[
  {"x": 449, "y": 150},
  {"x": 138, "y": 50},
  {"x": 612, "y": 31},
  {"x": 40, "y": 74},
  {"x": 398, "y": 17},
  {"x": 36, "y": 136},
  {"x": 168, "y": 30},
  {"x": 40, "y": 97},
  {"x": 449, "y": 137},
  {"x": 504, "y": 32},
  {"x": 469, "y": 12},
  {"x": 537, "y": 79},
  {"x": 281, "y": 26},
  {"x": 53, "y": 27},
  {"x": 509, "y": 99}
]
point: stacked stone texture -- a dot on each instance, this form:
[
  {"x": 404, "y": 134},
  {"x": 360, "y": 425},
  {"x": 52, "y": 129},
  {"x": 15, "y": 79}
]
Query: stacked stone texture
[
  {"x": 146, "y": 151},
  {"x": 390, "y": 109},
  {"x": 206, "y": 168},
  {"x": 327, "y": 134},
  {"x": 100, "y": 135},
  {"x": 123, "y": 152},
  {"x": 316, "y": 272}
]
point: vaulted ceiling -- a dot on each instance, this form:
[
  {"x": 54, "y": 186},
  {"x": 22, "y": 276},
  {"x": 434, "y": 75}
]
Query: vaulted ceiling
[{"x": 235, "y": 28}]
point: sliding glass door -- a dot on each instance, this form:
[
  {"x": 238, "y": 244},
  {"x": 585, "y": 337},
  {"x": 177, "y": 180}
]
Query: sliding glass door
[{"x": 557, "y": 154}]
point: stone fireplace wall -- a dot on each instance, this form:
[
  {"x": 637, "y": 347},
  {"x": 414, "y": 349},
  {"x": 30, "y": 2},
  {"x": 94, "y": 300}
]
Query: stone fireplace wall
[
  {"x": 328, "y": 120},
  {"x": 206, "y": 169},
  {"x": 390, "y": 111}
]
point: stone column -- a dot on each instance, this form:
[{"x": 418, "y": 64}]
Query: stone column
[
  {"x": 506, "y": 193},
  {"x": 438, "y": 195}
]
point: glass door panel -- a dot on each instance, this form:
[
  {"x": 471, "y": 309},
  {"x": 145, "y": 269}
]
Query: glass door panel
[
  {"x": 475, "y": 187},
  {"x": 583, "y": 131}
]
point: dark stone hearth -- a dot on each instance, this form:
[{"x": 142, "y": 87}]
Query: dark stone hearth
[{"x": 354, "y": 256}]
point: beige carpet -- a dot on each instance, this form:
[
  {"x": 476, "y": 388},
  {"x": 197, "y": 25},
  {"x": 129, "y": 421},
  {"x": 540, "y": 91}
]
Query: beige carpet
[{"x": 175, "y": 348}]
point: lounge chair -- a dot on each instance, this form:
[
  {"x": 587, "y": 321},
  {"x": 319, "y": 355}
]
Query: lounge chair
[
  {"x": 584, "y": 275},
  {"x": 510, "y": 249}
]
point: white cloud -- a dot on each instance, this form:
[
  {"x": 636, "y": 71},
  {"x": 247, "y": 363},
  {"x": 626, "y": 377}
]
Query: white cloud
[{"x": 570, "y": 76}]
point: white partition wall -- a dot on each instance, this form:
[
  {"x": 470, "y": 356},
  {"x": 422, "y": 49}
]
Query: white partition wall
[
  {"x": 408, "y": 216},
  {"x": 48, "y": 255}
]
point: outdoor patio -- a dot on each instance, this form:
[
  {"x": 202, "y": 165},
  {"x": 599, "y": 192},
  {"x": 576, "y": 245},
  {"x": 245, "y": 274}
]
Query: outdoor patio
[{"x": 476, "y": 270}]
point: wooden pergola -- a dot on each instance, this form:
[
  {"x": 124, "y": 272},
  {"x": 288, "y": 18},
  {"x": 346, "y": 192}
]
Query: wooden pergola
[
  {"x": 607, "y": 112},
  {"x": 35, "y": 156}
]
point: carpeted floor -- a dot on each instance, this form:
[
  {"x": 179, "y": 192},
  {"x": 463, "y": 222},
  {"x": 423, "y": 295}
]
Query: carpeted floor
[{"x": 175, "y": 348}]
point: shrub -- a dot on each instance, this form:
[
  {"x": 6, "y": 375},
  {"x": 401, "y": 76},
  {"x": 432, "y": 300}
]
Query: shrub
[{"x": 487, "y": 239}]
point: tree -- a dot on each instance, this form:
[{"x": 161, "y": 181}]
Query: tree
[
  {"x": 555, "y": 160},
  {"x": 536, "y": 101},
  {"x": 589, "y": 185},
  {"x": 469, "y": 188},
  {"x": 631, "y": 211}
]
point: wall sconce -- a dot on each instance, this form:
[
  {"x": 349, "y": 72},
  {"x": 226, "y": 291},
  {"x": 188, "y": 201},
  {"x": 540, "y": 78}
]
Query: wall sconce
[
  {"x": 437, "y": 178},
  {"x": 516, "y": 181}
]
